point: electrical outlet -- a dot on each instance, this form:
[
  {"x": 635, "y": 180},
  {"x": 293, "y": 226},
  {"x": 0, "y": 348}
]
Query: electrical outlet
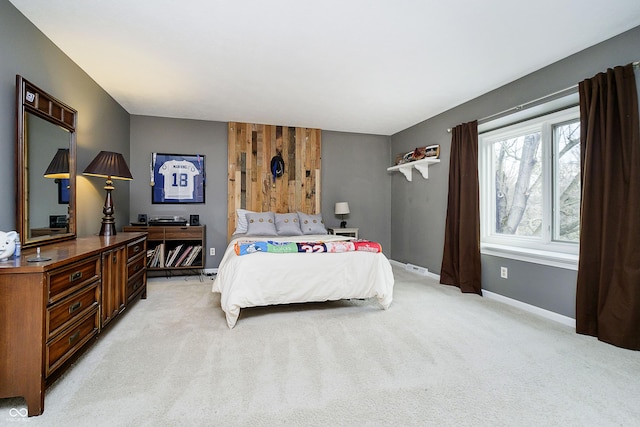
[
  {"x": 504, "y": 272},
  {"x": 212, "y": 251}
]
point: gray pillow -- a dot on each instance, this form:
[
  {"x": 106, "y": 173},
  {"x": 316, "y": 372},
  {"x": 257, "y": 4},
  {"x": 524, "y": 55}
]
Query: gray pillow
[
  {"x": 311, "y": 224},
  {"x": 241, "y": 221},
  {"x": 261, "y": 224},
  {"x": 288, "y": 224}
]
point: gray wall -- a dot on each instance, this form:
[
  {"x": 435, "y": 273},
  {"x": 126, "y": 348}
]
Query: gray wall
[
  {"x": 353, "y": 170},
  {"x": 419, "y": 207},
  {"x": 102, "y": 123},
  {"x": 181, "y": 136}
]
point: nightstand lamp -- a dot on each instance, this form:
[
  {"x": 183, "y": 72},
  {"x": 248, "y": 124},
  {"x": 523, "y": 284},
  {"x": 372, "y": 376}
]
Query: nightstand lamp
[
  {"x": 108, "y": 165},
  {"x": 342, "y": 209}
]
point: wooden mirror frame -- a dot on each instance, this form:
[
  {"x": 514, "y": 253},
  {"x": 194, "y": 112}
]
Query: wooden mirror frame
[{"x": 33, "y": 100}]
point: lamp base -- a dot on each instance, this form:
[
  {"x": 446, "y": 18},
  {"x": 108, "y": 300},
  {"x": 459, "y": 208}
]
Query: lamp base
[
  {"x": 108, "y": 227},
  {"x": 343, "y": 224}
]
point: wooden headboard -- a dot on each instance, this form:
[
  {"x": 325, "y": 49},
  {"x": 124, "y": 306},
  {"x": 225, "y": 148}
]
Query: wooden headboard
[{"x": 250, "y": 181}]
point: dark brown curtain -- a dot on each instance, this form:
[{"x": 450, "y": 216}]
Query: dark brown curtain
[
  {"x": 461, "y": 256},
  {"x": 608, "y": 288}
]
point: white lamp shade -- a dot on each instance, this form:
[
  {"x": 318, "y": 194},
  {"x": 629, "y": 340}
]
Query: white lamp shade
[{"x": 342, "y": 208}]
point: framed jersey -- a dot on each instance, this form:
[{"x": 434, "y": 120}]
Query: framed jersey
[{"x": 177, "y": 178}]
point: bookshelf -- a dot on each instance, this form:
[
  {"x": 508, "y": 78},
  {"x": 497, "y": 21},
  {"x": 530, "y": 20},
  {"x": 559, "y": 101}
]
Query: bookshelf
[{"x": 173, "y": 247}]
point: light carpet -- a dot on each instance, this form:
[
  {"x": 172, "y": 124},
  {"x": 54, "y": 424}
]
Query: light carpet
[{"x": 435, "y": 358}]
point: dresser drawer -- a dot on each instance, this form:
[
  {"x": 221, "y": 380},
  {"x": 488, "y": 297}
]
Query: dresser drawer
[
  {"x": 135, "y": 249},
  {"x": 62, "y": 347},
  {"x": 67, "y": 280},
  {"x": 183, "y": 233},
  {"x": 135, "y": 266},
  {"x": 68, "y": 310},
  {"x": 135, "y": 285}
]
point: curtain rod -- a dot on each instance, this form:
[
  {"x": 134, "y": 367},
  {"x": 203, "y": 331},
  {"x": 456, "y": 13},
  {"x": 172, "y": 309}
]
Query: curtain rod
[
  {"x": 542, "y": 100},
  {"x": 555, "y": 95}
]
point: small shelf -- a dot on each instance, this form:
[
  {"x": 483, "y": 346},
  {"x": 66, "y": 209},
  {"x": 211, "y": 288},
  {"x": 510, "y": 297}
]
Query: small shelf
[{"x": 421, "y": 165}]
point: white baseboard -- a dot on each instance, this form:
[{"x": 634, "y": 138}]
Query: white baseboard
[{"x": 565, "y": 320}]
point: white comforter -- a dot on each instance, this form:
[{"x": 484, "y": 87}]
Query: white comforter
[{"x": 272, "y": 278}]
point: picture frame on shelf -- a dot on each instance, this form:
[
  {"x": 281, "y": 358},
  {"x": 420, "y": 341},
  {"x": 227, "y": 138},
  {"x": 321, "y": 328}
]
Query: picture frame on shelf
[{"x": 177, "y": 178}]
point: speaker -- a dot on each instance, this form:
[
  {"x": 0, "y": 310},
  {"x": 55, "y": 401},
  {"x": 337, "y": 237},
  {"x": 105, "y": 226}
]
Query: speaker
[
  {"x": 142, "y": 218},
  {"x": 194, "y": 219}
]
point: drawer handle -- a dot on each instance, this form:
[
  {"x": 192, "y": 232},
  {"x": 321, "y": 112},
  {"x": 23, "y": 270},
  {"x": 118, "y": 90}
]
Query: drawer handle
[
  {"x": 137, "y": 267},
  {"x": 136, "y": 249},
  {"x": 75, "y": 276},
  {"x": 75, "y": 307},
  {"x": 74, "y": 337}
]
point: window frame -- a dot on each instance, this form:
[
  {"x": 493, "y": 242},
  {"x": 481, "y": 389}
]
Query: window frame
[{"x": 543, "y": 249}]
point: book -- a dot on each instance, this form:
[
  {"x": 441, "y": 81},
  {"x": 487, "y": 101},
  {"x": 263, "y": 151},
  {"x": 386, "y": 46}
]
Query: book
[
  {"x": 173, "y": 254},
  {"x": 193, "y": 256},
  {"x": 183, "y": 256}
]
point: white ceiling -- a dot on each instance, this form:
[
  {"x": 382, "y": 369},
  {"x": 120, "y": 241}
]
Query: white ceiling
[{"x": 369, "y": 66}]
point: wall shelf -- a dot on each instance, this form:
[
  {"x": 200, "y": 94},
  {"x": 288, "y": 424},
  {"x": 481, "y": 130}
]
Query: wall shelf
[{"x": 421, "y": 165}]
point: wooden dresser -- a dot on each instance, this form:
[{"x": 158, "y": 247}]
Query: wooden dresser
[{"x": 51, "y": 310}]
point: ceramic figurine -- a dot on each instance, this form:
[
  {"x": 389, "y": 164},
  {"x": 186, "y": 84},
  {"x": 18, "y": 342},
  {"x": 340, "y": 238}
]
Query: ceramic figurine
[{"x": 7, "y": 244}]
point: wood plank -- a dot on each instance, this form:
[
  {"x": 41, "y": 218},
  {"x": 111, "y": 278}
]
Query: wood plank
[
  {"x": 250, "y": 183},
  {"x": 232, "y": 184}
]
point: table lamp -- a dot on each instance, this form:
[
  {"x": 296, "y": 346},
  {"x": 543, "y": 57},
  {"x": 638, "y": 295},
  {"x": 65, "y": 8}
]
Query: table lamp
[
  {"x": 108, "y": 165},
  {"x": 342, "y": 209}
]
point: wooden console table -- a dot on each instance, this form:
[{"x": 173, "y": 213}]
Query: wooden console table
[
  {"x": 175, "y": 247},
  {"x": 51, "y": 310}
]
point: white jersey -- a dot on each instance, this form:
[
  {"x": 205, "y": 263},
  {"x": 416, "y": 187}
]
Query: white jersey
[{"x": 179, "y": 179}]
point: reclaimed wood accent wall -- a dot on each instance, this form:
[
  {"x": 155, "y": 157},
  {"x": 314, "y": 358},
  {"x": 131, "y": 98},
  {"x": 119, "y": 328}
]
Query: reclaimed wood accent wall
[{"x": 250, "y": 181}]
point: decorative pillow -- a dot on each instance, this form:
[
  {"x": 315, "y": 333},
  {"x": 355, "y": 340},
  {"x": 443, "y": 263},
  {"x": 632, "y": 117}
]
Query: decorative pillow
[
  {"x": 241, "y": 221},
  {"x": 311, "y": 224},
  {"x": 261, "y": 224},
  {"x": 288, "y": 224}
]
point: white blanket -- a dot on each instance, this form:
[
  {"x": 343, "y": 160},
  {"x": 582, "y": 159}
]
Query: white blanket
[{"x": 261, "y": 278}]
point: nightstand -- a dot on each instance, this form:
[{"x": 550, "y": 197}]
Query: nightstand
[{"x": 349, "y": 232}]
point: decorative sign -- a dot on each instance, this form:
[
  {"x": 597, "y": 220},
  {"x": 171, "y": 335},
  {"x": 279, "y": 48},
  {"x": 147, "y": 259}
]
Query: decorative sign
[{"x": 177, "y": 178}]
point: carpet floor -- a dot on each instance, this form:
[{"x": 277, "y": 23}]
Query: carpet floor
[{"x": 436, "y": 357}]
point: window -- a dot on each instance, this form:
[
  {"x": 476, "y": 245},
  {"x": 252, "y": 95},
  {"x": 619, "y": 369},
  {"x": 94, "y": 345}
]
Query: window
[{"x": 530, "y": 184}]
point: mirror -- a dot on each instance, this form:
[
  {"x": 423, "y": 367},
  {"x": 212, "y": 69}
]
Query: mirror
[{"x": 46, "y": 134}]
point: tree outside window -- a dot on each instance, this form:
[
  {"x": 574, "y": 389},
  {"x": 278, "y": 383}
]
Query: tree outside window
[{"x": 530, "y": 182}]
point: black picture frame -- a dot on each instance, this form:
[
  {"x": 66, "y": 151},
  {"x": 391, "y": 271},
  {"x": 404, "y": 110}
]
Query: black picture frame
[
  {"x": 63, "y": 191},
  {"x": 177, "y": 178}
]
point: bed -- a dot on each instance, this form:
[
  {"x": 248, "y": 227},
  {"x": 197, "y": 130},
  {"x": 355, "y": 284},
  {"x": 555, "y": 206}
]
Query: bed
[{"x": 264, "y": 278}]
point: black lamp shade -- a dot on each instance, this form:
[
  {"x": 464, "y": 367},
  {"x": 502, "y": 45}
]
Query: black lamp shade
[
  {"x": 59, "y": 166},
  {"x": 108, "y": 164}
]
